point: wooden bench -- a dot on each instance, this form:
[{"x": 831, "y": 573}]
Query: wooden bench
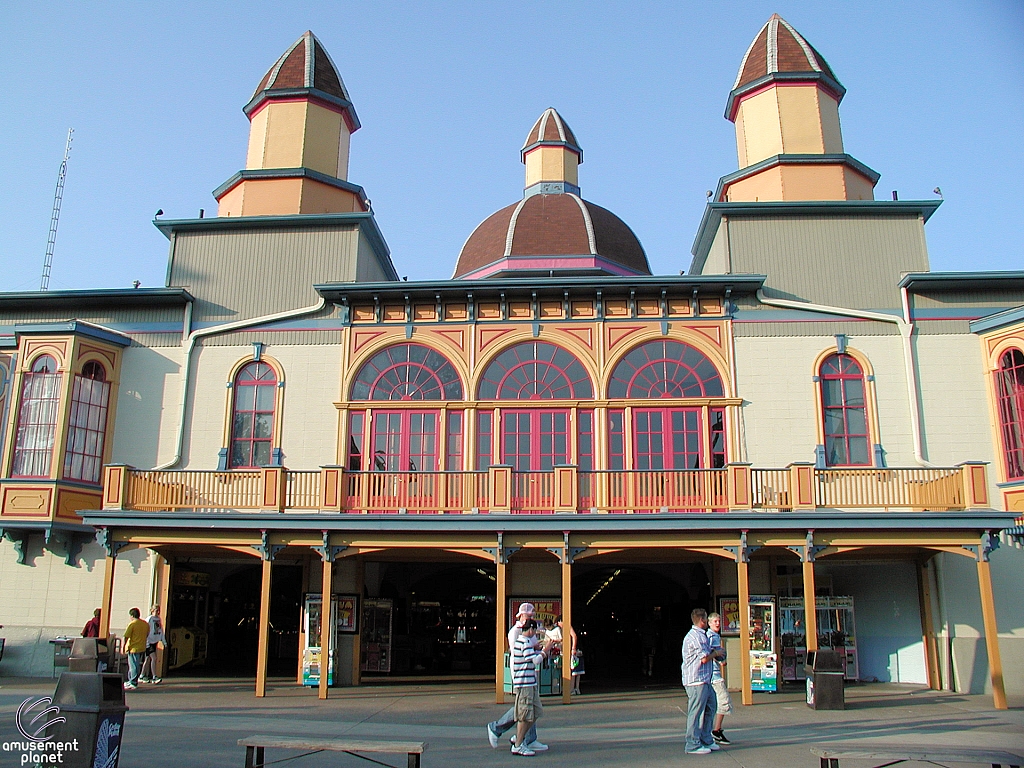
[
  {"x": 255, "y": 746},
  {"x": 830, "y": 754}
]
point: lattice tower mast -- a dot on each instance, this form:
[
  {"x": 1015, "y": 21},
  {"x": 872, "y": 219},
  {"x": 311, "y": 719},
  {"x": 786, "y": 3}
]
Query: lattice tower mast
[{"x": 58, "y": 195}]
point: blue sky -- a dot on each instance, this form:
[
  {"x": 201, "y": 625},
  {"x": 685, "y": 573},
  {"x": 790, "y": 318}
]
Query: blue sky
[{"x": 447, "y": 92}]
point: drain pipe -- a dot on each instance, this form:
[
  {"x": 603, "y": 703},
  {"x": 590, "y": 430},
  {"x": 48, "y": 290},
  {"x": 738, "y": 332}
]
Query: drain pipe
[
  {"x": 906, "y": 326},
  {"x": 189, "y": 338}
]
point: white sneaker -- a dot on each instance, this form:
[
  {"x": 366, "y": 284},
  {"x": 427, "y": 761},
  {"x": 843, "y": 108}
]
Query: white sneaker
[
  {"x": 712, "y": 746},
  {"x": 536, "y": 746},
  {"x": 156, "y": 680},
  {"x": 492, "y": 738},
  {"x": 523, "y": 750},
  {"x": 130, "y": 687},
  {"x": 700, "y": 751}
]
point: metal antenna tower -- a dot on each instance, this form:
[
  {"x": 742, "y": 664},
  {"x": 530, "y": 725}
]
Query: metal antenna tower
[{"x": 58, "y": 195}]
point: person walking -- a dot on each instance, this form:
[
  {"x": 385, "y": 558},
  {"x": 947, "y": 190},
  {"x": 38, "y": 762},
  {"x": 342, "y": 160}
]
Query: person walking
[
  {"x": 508, "y": 720},
  {"x": 154, "y": 640},
  {"x": 698, "y": 659},
  {"x": 92, "y": 626},
  {"x": 135, "y": 635},
  {"x": 526, "y": 657},
  {"x": 721, "y": 690}
]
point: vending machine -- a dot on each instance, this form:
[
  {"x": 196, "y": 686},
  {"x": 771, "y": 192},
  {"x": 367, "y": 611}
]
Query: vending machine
[
  {"x": 835, "y": 629},
  {"x": 375, "y": 648},
  {"x": 763, "y": 658},
  {"x": 312, "y": 655}
]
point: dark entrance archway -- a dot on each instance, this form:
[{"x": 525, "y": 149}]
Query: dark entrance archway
[{"x": 621, "y": 611}]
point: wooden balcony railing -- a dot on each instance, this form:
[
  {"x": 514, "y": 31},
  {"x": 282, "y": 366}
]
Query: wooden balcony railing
[{"x": 501, "y": 489}]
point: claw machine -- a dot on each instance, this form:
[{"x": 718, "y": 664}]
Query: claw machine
[
  {"x": 375, "y": 648},
  {"x": 763, "y": 658},
  {"x": 835, "y": 630}
]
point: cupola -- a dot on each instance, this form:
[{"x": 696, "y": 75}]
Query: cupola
[{"x": 552, "y": 230}]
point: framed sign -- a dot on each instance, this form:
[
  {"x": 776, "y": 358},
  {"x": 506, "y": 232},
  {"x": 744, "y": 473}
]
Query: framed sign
[
  {"x": 729, "y": 609},
  {"x": 348, "y": 613},
  {"x": 545, "y": 609}
]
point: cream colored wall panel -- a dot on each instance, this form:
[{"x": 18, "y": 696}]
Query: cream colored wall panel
[
  {"x": 147, "y": 406},
  {"x": 761, "y": 129},
  {"x": 718, "y": 257},
  {"x": 257, "y": 139},
  {"x": 323, "y": 132},
  {"x": 801, "y": 124},
  {"x": 286, "y": 124},
  {"x": 832, "y": 134}
]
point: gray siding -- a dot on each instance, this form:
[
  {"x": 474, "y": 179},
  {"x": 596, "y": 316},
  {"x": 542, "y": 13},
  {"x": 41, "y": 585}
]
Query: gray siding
[
  {"x": 850, "y": 261},
  {"x": 850, "y": 328},
  {"x": 369, "y": 269},
  {"x": 717, "y": 262},
  {"x": 239, "y": 274},
  {"x": 986, "y": 301},
  {"x": 134, "y": 322}
]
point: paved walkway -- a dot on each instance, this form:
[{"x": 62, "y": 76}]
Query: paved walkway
[{"x": 196, "y": 722}]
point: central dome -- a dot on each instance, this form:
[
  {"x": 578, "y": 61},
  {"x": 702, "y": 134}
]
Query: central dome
[{"x": 552, "y": 230}]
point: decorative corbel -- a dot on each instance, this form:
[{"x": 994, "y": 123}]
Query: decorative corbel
[
  {"x": 808, "y": 551},
  {"x": 985, "y": 548},
  {"x": 105, "y": 537},
  {"x": 327, "y": 551},
  {"x": 266, "y": 550},
  {"x": 19, "y": 538}
]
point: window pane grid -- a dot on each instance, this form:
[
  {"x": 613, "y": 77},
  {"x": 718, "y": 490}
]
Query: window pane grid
[
  {"x": 37, "y": 420},
  {"x": 407, "y": 372},
  {"x": 83, "y": 457},
  {"x": 535, "y": 371},
  {"x": 252, "y": 421},
  {"x": 1010, "y": 394},
  {"x": 844, "y": 412}
]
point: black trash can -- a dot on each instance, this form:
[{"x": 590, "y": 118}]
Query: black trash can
[
  {"x": 824, "y": 670},
  {"x": 88, "y": 654},
  {"x": 92, "y": 704}
]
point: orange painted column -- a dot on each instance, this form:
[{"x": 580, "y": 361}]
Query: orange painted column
[
  {"x": 931, "y": 654},
  {"x": 326, "y": 644},
  {"x": 810, "y": 607},
  {"x": 988, "y": 614},
  {"x": 566, "y": 626},
  {"x": 744, "y": 600},
  {"x": 500, "y": 631},
  {"x": 357, "y": 639},
  {"x": 164, "y": 601},
  {"x": 107, "y": 598},
  {"x": 264, "y": 632}
]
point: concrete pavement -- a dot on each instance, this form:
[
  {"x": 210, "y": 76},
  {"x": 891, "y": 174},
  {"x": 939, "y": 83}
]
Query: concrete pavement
[{"x": 197, "y": 722}]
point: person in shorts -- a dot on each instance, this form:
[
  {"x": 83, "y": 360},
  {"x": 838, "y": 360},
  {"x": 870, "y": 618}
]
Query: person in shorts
[
  {"x": 526, "y": 656},
  {"x": 721, "y": 690}
]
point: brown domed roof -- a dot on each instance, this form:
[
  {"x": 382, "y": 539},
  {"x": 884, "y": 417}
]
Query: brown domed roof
[
  {"x": 560, "y": 233},
  {"x": 305, "y": 66},
  {"x": 551, "y": 129},
  {"x": 780, "y": 52}
]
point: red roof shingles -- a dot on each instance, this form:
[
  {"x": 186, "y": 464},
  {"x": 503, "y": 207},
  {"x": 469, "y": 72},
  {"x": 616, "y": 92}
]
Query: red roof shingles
[
  {"x": 790, "y": 54},
  {"x": 291, "y": 73}
]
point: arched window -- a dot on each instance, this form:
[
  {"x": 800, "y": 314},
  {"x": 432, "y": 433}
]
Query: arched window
[
  {"x": 665, "y": 369},
  {"x": 844, "y": 412},
  {"x": 37, "y": 419},
  {"x": 252, "y": 418},
  {"x": 1010, "y": 394},
  {"x": 407, "y": 372},
  {"x": 535, "y": 371},
  {"x": 406, "y": 439},
  {"x": 668, "y": 436},
  {"x": 87, "y": 424}
]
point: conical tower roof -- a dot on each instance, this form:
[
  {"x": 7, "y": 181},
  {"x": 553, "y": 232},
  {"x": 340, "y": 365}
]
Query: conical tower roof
[{"x": 551, "y": 130}]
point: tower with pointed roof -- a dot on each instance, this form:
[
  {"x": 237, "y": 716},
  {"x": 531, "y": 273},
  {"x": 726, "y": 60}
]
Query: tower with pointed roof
[
  {"x": 785, "y": 104},
  {"x": 301, "y": 119},
  {"x": 552, "y": 230}
]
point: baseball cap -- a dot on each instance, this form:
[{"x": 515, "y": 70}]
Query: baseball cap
[{"x": 525, "y": 609}]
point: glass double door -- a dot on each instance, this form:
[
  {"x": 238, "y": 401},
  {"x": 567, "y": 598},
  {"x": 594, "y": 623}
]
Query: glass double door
[
  {"x": 405, "y": 441},
  {"x": 535, "y": 440},
  {"x": 667, "y": 438}
]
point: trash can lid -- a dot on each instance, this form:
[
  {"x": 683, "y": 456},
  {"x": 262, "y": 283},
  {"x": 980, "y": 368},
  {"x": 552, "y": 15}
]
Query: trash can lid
[{"x": 89, "y": 689}]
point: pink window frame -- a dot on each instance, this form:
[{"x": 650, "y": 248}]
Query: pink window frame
[
  {"x": 257, "y": 380},
  {"x": 405, "y": 459},
  {"x": 87, "y": 424},
  {"x": 37, "y": 419},
  {"x": 416, "y": 380},
  {"x": 510, "y": 382},
  {"x": 1010, "y": 404},
  {"x": 849, "y": 370},
  {"x": 667, "y": 432},
  {"x": 538, "y": 455}
]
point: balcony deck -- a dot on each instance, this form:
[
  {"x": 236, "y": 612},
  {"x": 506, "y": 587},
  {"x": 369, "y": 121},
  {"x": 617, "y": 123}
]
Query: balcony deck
[{"x": 500, "y": 489}]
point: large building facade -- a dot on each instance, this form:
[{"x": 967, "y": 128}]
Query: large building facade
[{"x": 808, "y": 410}]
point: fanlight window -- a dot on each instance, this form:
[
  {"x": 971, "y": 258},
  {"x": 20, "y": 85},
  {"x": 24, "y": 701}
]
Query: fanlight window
[
  {"x": 1010, "y": 394},
  {"x": 252, "y": 423},
  {"x": 536, "y": 371},
  {"x": 87, "y": 425},
  {"x": 407, "y": 372},
  {"x": 665, "y": 369},
  {"x": 37, "y": 419},
  {"x": 845, "y": 412}
]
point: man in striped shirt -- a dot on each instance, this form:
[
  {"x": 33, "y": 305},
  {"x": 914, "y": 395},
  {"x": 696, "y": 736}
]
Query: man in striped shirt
[
  {"x": 526, "y": 655},
  {"x": 698, "y": 660}
]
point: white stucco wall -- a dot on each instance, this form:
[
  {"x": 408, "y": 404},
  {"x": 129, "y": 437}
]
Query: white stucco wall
[
  {"x": 45, "y": 598},
  {"x": 147, "y": 406}
]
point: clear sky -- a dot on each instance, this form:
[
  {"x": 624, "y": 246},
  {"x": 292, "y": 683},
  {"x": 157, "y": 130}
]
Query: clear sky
[{"x": 446, "y": 93}]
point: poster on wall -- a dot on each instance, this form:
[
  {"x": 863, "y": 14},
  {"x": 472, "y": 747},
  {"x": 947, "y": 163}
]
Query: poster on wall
[
  {"x": 348, "y": 615},
  {"x": 546, "y": 609},
  {"x": 729, "y": 610}
]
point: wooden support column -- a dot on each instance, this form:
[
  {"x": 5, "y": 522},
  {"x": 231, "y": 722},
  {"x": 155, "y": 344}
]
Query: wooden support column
[
  {"x": 988, "y": 614},
  {"x": 107, "y": 598},
  {"x": 931, "y": 654},
  {"x": 302, "y": 617},
  {"x": 326, "y": 644},
  {"x": 163, "y": 599},
  {"x": 500, "y": 631},
  {"x": 566, "y": 624},
  {"x": 264, "y": 631},
  {"x": 810, "y": 605},
  {"x": 744, "y": 590},
  {"x": 357, "y": 639}
]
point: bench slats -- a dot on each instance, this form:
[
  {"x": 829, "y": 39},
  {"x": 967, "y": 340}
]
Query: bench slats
[
  {"x": 920, "y": 752},
  {"x": 334, "y": 745}
]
